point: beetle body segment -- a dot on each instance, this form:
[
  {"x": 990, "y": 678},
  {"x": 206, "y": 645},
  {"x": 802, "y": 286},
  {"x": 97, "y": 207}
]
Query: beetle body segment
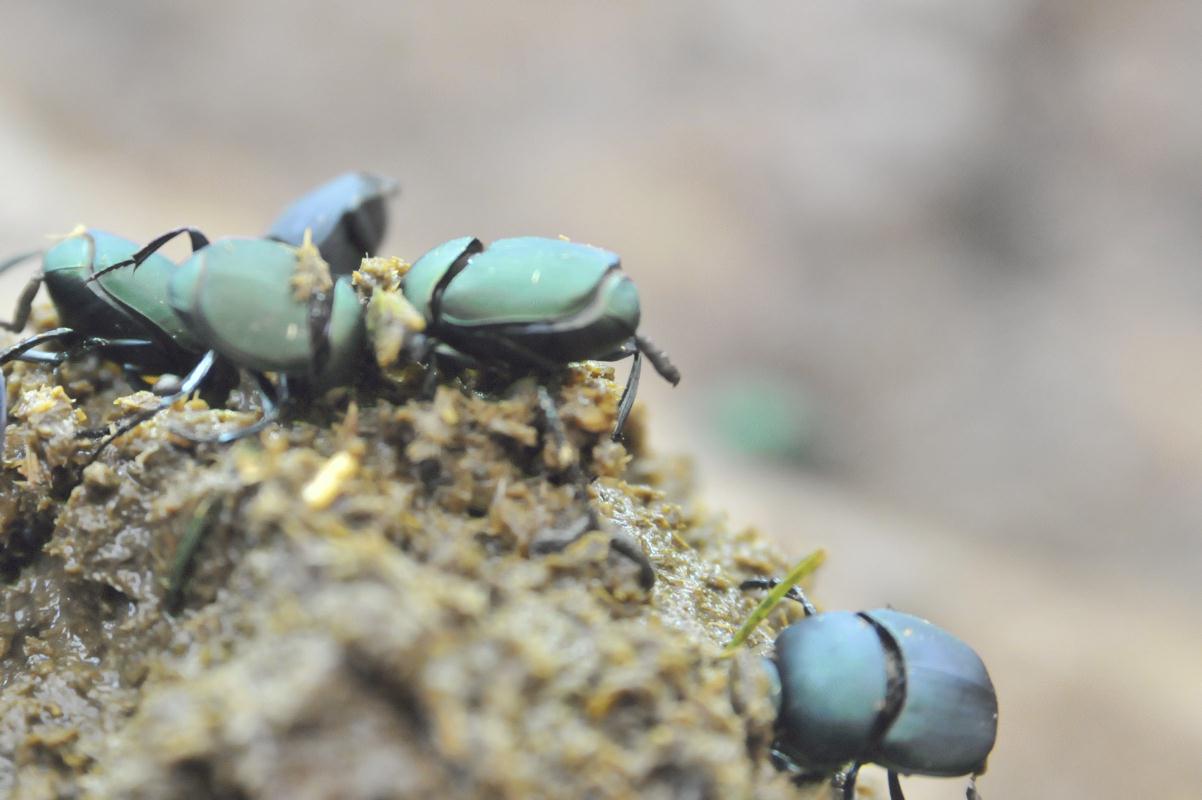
[
  {"x": 833, "y": 685},
  {"x": 948, "y": 722},
  {"x": 560, "y": 300},
  {"x": 122, "y": 303},
  {"x": 237, "y": 294},
  {"x": 348, "y": 217},
  {"x": 424, "y": 277},
  {"x": 886, "y": 687}
]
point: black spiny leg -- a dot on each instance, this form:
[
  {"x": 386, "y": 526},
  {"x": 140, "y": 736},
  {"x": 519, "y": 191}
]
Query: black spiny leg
[
  {"x": 190, "y": 383},
  {"x": 25, "y": 300},
  {"x": 628, "y": 394},
  {"x": 3, "y": 412},
  {"x": 618, "y": 542},
  {"x": 795, "y": 593},
  {"x": 895, "y": 792},
  {"x": 15, "y": 351},
  {"x": 197, "y": 239},
  {"x": 849, "y": 781},
  {"x": 270, "y": 413}
]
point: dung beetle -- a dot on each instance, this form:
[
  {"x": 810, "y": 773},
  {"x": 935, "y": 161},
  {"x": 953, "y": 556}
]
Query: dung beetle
[
  {"x": 261, "y": 306},
  {"x": 126, "y": 314},
  {"x": 882, "y": 687},
  {"x": 534, "y": 303},
  {"x": 347, "y": 216},
  {"x": 123, "y": 315}
]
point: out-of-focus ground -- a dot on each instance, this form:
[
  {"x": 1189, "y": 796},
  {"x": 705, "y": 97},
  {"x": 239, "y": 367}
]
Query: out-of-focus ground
[{"x": 963, "y": 236}]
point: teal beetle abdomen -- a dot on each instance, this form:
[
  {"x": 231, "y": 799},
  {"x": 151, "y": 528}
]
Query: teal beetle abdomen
[
  {"x": 527, "y": 279},
  {"x": 948, "y": 723},
  {"x": 238, "y": 295},
  {"x": 833, "y": 685}
]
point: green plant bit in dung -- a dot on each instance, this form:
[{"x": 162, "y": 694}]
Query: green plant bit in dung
[{"x": 771, "y": 600}]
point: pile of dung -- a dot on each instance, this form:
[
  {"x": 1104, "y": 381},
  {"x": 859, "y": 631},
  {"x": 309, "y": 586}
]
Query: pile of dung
[{"x": 385, "y": 596}]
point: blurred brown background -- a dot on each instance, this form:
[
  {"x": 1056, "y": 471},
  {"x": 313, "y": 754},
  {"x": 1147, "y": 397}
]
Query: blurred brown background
[{"x": 952, "y": 245}]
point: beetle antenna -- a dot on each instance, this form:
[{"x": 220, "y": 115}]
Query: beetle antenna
[{"x": 658, "y": 359}]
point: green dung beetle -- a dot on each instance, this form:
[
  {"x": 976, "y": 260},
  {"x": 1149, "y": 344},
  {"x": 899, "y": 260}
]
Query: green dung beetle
[
  {"x": 533, "y": 303},
  {"x": 261, "y": 306},
  {"x": 127, "y": 314},
  {"x": 881, "y": 687}
]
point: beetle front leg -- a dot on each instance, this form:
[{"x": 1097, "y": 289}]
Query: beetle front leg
[
  {"x": 197, "y": 239},
  {"x": 628, "y": 394},
  {"x": 16, "y": 351},
  {"x": 270, "y": 407},
  {"x": 189, "y": 385},
  {"x": 849, "y": 782},
  {"x": 795, "y": 593},
  {"x": 25, "y": 299}
]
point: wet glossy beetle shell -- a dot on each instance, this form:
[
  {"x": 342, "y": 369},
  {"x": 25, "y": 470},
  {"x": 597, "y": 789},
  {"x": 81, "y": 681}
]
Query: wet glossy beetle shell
[
  {"x": 885, "y": 687},
  {"x": 251, "y": 316},
  {"x": 121, "y": 304},
  {"x": 348, "y": 218},
  {"x": 563, "y": 301}
]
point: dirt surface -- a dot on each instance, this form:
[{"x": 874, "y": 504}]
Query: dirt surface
[{"x": 385, "y": 596}]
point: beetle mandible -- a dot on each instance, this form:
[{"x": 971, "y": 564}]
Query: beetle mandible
[
  {"x": 533, "y": 303},
  {"x": 882, "y": 687}
]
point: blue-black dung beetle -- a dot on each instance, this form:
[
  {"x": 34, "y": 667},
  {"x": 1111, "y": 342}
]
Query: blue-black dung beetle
[
  {"x": 881, "y": 687},
  {"x": 531, "y": 303},
  {"x": 347, "y": 218}
]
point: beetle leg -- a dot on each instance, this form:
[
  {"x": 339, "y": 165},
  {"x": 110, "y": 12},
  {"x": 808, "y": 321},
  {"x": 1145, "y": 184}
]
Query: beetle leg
[
  {"x": 659, "y": 359},
  {"x": 17, "y": 350},
  {"x": 80, "y": 348},
  {"x": 628, "y": 394},
  {"x": 895, "y": 792},
  {"x": 196, "y": 238},
  {"x": 3, "y": 412},
  {"x": 795, "y": 593},
  {"x": 971, "y": 792},
  {"x": 849, "y": 781},
  {"x": 189, "y": 385},
  {"x": 618, "y": 542},
  {"x": 25, "y": 300},
  {"x": 525, "y": 354},
  {"x": 270, "y": 413}
]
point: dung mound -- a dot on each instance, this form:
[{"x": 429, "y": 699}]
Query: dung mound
[{"x": 384, "y": 596}]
